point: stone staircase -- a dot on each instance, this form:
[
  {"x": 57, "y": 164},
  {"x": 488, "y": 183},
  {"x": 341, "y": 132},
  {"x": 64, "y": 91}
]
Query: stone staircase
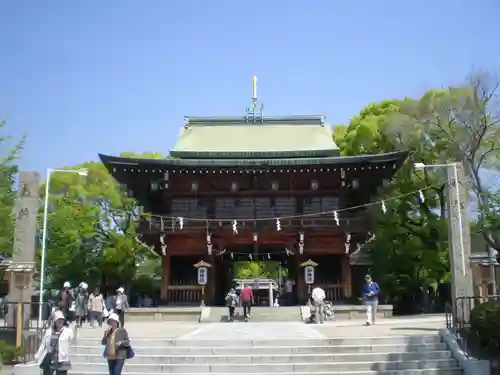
[
  {"x": 391, "y": 355},
  {"x": 259, "y": 314}
]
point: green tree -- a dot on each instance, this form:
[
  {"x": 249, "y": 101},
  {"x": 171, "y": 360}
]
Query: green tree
[
  {"x": 462, "y": 123},
  {"x": 91, "y": 228},
  {"x": 490, "y": 213},
  {"x": 454, "y": 124},
  {"x": 249, "y": 269},
  {"x": 411, "y": 229},
  {"x": 9, "y": 155}
]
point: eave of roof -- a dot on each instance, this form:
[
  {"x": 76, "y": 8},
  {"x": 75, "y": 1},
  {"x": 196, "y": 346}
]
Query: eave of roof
[{"x": 116, "y": 161}]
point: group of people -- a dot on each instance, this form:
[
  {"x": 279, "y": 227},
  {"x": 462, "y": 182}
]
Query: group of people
[
  {"x": 78, "y": 305},
  {"x": 317, "y": 300},
  {"x": 245, "y": 299},
  {"x": 53, "y": 356},
  {"x": 370, "y": 295}
]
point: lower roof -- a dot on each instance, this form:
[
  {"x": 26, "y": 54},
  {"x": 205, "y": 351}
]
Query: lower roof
[{"x": 117, "y": 161}]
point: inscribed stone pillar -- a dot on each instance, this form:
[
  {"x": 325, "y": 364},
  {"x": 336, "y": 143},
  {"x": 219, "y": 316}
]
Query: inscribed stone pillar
[
  {"x": 459, "y": 242},
  {"x": 26, "y": 213}
]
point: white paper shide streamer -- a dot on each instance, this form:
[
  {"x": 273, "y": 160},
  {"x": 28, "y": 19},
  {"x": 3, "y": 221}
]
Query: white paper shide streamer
[
  {"x": 235, "y": 227},
  {"x": 336, "y": 217},
  {"x": 163, "y": 245},
  {"x": 278, "y": 225},
  {"x": 384, "y": 208},
  {"x": 421, "y": 196},
  {"x": 181, "y": 223}
]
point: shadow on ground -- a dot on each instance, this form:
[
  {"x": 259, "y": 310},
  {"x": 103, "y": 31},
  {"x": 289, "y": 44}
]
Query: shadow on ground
[{"x": 415, "y": 329}]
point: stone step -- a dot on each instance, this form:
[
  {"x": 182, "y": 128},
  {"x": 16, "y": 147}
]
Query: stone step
[
  {"x": 222, "y": 342},
  {"x": 255, "y": 368},
  {"x": 259, "y": 314},
  {"x": 430, "y": 371},
  {"x": 269, "y": 350},
  {"x": 249, "y": 359}
]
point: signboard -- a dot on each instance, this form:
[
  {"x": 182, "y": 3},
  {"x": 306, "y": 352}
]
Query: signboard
[
  {"x": 309, "y": 274},
  {"x": 202, "y": 275}
]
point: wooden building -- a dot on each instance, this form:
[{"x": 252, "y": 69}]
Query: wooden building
[{"x": 255, "y": 187}]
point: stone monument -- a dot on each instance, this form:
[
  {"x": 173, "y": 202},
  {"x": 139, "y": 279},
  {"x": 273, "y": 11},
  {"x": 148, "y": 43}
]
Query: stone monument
[
  {"x": 21, "y": 267},
  {"x": 459, "y": 242}
]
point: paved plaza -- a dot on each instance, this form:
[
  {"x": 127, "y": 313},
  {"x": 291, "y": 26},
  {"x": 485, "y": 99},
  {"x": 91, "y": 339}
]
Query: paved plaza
[{"x": 420, "y": 325}]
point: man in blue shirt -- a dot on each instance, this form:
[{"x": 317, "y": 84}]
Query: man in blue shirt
[{"x": 371, "y": 291}]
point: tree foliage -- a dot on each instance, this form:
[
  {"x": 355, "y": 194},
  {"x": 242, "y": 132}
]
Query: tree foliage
[
  {"x": 249, "y": 269},
  {"x": 9, "y": 155},
  {"x": 91, "y": 228},
  {"x": 409, "y": 249},
  {"x": 459, "y": 123},
  {"x": 490, "y": 213}
]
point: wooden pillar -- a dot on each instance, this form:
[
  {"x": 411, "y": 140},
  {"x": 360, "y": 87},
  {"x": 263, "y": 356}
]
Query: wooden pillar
[
  {"x": 346, "y": 277},
  {"x": 165, "y": 278},
  {"x": 300, "y": 283},
  {"x": 213, "y": 270}
]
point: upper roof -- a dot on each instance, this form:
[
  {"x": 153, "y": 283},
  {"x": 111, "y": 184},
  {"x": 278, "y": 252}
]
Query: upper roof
[{"x": 254, "y": 137}]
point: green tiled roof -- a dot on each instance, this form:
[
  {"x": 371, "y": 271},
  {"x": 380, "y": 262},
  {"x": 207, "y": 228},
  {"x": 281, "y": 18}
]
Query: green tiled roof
[{"x": 267, "y": 137}]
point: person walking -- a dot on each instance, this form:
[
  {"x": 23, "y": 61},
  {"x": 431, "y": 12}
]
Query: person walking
[
  {"x": 65, "y": 300},
  {"x": 288, "y": 290},
  {"x": 121, "y": 305},
  {"x": 80, "y": 306},
  {"x": 318, "y": 297},
  {"x": 116, "y": 343},
  {"x": 53, "y": 354},
  {"x": 246, "y": 300},
  {"x": 371, "y": 291},
  {"x": 96, "y": 308},
  {"x": 231, "y": 302}
]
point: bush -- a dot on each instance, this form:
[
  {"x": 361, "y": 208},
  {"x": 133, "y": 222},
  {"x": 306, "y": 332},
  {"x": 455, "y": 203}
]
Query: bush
[
  {"x": 485, "y": 329},
  {"x": 8, "y": 352}
]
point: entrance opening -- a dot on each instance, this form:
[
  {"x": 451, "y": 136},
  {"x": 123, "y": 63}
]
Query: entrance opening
[{"x": 242, "y": 262}]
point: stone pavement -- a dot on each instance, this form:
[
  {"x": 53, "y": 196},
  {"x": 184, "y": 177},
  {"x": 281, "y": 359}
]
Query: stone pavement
[{"x": 420, "y": 325}]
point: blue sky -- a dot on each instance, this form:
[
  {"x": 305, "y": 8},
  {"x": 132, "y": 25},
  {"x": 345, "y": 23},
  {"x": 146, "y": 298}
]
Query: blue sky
[{"x": 86, "y": 76}]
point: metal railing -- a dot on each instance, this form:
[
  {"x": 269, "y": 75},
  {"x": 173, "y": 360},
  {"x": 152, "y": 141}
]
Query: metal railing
[{"x": 20, "y": 331}]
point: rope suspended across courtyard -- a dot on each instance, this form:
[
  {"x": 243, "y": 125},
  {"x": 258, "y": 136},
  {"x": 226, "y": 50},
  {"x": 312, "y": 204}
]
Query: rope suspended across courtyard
[{"x": 419, "y": 193}]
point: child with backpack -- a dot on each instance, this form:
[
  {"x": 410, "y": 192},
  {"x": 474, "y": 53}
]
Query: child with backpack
[{"x": 231, "y": 302}]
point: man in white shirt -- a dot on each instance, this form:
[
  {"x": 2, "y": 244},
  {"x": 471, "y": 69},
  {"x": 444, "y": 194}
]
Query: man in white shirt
[
  {"x": 318, "y": 299},
  {"x": 289, "y": 283}
]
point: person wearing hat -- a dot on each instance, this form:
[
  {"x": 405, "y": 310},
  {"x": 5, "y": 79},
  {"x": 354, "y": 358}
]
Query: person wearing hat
[
  {"x": 117, "y": 345},
  {"x": 121, "y": 304},
  {"x": 65, "y": 300},
  {"x": 81, "y": 302},
  {"x": 53, "y": 353},
  {"x": 371, "y": 291}
]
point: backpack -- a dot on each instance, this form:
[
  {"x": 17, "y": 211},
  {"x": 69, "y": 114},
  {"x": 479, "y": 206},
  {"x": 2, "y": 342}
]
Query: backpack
[{"x": 229, "y": 299}]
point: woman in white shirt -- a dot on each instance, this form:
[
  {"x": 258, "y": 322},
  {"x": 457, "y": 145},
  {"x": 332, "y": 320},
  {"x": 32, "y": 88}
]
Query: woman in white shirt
[{"x": 53, "y": 354}]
